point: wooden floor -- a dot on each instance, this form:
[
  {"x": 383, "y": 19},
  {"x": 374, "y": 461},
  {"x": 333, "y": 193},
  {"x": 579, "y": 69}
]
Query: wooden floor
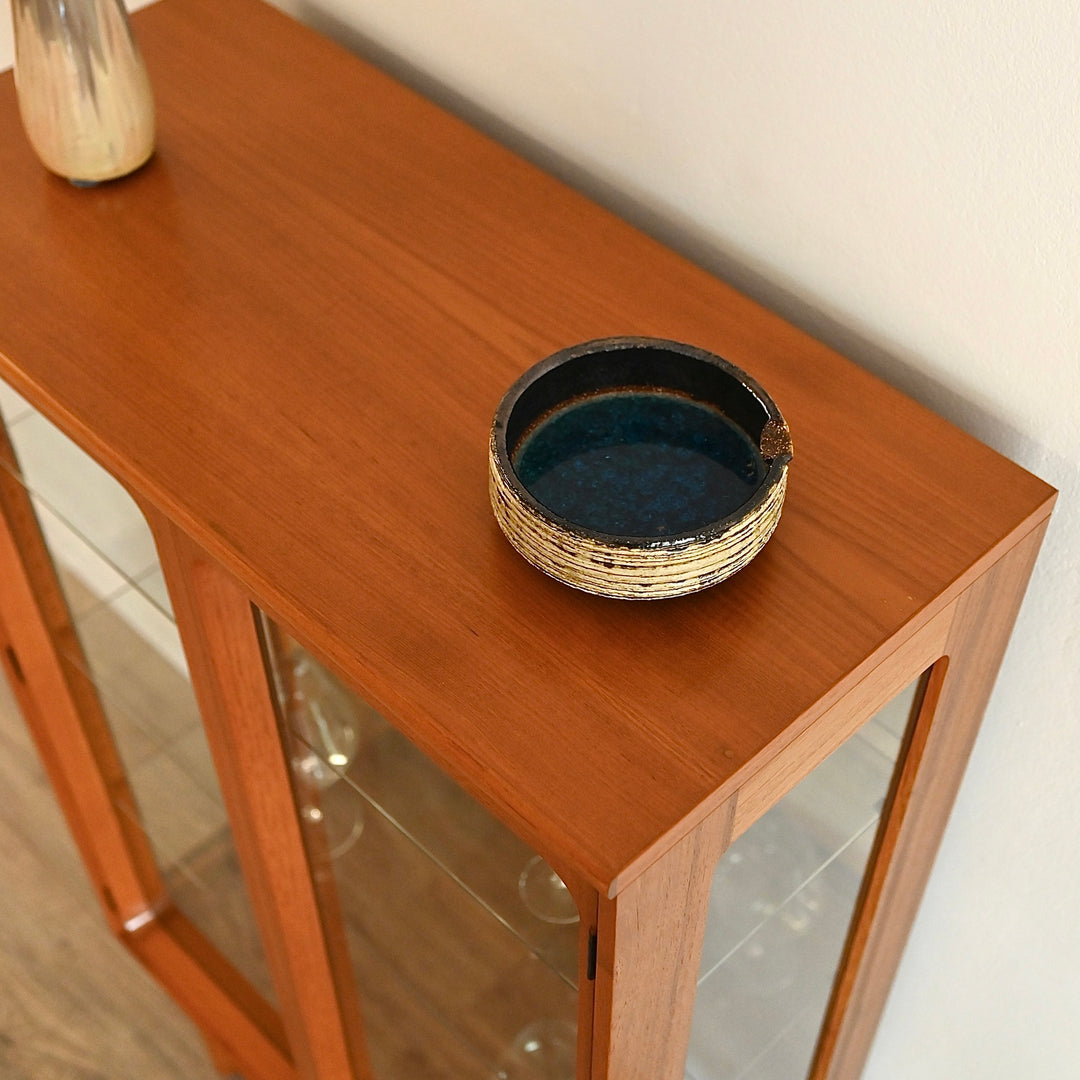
[{"x": 74, "y": 1005}]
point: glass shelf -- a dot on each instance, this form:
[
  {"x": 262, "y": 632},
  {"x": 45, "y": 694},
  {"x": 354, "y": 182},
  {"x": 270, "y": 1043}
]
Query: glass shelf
[
  {"x": 444, "y": 987},
  {"x": 427, "y": 883},
  {"x": 395, "y": 781}
]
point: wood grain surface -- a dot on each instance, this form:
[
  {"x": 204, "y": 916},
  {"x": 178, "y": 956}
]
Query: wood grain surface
[
  {"x": 301, "y": 936},
  {"x": 648, "y": 953},
  {"x": 290, "y": 331}
]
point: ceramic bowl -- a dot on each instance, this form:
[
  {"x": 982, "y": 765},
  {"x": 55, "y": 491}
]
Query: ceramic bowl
[{"x": 638, "y": 468}]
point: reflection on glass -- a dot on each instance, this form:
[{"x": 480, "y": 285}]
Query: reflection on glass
[
  {"x": 327, "y": 737},
  {"x": 781, "y": 903},
  {"x": 93, "y": 526}
]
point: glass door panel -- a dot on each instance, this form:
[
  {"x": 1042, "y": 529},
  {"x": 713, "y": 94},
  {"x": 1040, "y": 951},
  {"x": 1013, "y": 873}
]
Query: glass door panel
[
  {"x": 94, "y": 507},
  {"x": 151, "y": 711},
  {"x": 461, "y": 975},
  {"x": 781, "y": 904},
  {"x": 129, "y": 647}
]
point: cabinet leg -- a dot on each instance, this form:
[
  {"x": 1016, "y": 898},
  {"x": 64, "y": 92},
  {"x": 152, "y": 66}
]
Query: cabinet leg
[
  {"x": 927, "y": 779},
  {"x": 649, "y": 940}
]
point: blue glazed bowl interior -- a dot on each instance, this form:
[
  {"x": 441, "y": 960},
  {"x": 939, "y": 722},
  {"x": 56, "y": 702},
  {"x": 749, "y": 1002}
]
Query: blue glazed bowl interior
[{"x": 637, "y": 440}]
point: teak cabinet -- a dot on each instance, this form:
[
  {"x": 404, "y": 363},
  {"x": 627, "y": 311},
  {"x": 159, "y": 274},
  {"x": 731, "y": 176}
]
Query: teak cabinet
[{"x": 286, "y": 337}]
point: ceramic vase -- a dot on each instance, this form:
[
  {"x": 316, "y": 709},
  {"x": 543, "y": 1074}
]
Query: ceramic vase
[{"x": 84, "y": 95}]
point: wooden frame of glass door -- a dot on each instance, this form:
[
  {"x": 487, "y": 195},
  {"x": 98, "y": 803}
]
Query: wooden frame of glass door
[{"x": 41, "y": 656}]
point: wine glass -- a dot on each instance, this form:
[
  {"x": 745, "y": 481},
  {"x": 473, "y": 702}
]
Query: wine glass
[
  {"x": 766, "y": 897},
  {"x": 326, "y": 739},
  {"x": 542, "y": 1050},
  {"x": 545, "y": 894}
]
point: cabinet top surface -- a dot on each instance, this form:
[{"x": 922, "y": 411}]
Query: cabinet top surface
[{"x": 290, "y": 332}]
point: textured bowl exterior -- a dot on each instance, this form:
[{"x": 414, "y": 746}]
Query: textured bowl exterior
[
  {"x": 632, "y": 571},
  {"x": 629, "y": 567}
]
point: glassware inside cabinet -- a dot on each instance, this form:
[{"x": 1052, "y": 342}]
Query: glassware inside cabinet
[
  {"x": 782, "y": 900},
  {"x": 457, "y": 976}
]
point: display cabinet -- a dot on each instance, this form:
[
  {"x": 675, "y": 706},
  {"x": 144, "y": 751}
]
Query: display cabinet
[{"x": 368, "y": 794}]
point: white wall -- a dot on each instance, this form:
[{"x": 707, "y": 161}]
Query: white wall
[
  {"x": 7, "y": 49},
  {"x": 902, "y": 180}
]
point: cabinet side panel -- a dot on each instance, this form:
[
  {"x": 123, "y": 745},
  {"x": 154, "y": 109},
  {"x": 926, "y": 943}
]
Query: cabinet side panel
[
  {"x": 935, "y": 755},
  {"x": 649, "y": 948}
]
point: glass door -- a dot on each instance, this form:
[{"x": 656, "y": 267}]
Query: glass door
[
  {"x": 126, "y": 644},
  {"x": 782, "y": 901}
]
